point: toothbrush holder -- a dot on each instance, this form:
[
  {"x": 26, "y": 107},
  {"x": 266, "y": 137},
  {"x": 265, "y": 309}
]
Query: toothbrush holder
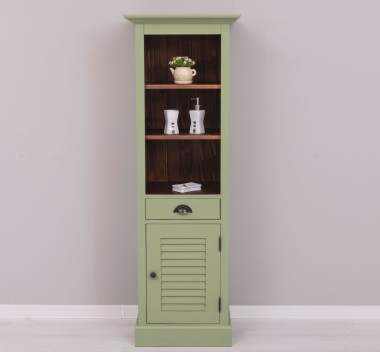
[{"x": 171, "y": 121}]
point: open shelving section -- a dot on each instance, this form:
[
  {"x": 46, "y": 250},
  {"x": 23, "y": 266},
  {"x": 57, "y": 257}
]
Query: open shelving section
[{"x": 184, "y": 157}]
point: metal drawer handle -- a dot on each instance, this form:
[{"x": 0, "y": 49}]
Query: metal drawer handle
[{"x": 183, "y": 209}]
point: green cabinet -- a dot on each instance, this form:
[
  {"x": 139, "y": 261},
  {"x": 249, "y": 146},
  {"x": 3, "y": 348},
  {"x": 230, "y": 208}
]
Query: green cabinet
[{"x": 182, "y": 238}]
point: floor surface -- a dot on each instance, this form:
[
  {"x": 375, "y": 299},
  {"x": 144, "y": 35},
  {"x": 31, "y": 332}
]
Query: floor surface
[{"x": 264, "y": 335}]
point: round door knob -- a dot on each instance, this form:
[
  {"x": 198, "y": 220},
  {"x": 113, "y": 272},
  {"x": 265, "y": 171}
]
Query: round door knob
[{"x": 153, "y": 275}]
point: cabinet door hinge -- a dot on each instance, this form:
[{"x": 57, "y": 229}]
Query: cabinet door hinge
[
  {"x": 220, "y": 304},
  {"x": 220, "y": 243}
]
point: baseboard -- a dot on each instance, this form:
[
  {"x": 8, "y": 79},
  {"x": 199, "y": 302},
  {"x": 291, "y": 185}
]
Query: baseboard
[
  {"x": 62, "y": 311},
  {"x": 323, "y": 312},
  {"x": 237, "y": 312}
]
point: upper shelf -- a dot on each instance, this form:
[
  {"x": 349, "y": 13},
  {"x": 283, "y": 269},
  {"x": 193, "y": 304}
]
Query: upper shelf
[{"x": 182, "y": 86}]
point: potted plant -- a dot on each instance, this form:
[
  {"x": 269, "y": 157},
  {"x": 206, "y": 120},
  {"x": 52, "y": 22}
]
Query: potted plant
[{"x": 181, "y": 69}]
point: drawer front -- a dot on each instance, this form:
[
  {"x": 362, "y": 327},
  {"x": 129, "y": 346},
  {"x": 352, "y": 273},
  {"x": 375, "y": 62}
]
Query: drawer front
[{"x": 182, "y": 209}]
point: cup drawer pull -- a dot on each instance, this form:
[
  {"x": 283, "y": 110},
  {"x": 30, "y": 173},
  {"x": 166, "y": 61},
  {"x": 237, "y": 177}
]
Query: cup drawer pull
[{"x": 183, "y": 209}]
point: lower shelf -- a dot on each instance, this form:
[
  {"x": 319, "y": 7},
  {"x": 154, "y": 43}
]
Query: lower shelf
[
  {"x": 166, "y": 188},
  {"x": 183, "y": 335}
]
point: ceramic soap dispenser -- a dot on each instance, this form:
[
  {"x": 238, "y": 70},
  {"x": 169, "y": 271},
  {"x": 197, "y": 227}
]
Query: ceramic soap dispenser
[{"x": 196, "y": 119}]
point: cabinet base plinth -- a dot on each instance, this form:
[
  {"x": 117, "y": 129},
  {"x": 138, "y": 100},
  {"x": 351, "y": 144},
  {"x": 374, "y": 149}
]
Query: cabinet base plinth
[{"x": 183, "y": 335}]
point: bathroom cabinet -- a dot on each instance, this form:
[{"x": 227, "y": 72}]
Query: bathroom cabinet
[{"x": 182, "y": 237}]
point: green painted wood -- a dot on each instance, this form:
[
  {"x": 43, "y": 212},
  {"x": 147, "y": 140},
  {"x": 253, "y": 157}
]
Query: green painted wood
[
  {"x": 183, "y": 241},
  {"x": 181, "y": 19},
  {"x": 156, "y": 29},
  {"x": 140, "y": 169},
  {"x": 183, "y": 247},
  {"x": 183, "y": 262},
  {"x": 200, "y": 221},
  {"x": 184, "y": 300},
  {"x": 180, "y": 195},
  {"x": 162, "y": 209},
  {"x": 183, "y": 255},
  {"x": 183, "y": 278},
  {"x": 194, "y": 335},
  {"x": 183, "y": 292},
  {"x": 198, "y": 285},
  {"x": 225, "y": 121},
  {"x": 183, "y": 309},
  {"x": 163, "y": 309},
  {"x": 180, "y": 270}
]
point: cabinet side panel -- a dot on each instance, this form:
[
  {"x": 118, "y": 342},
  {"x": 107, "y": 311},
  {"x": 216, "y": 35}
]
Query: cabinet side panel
[
  {"x": 225, "y": 112},
  {"x": 140, "y": 150}
]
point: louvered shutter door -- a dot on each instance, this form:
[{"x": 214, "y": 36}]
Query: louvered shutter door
[{"x": 186, "y": 259}]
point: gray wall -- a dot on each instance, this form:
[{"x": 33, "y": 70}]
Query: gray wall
[{"x": 305, "y": 212}]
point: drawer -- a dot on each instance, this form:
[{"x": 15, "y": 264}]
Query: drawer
[{"x": 187, "y": 209}]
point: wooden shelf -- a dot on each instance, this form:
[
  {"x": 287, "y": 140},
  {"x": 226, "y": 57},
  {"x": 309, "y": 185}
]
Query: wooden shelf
[
  {"x": 183, "y": 135},
  {"x": 182, "y": 86},
  {"x": 166, "y": 188}
]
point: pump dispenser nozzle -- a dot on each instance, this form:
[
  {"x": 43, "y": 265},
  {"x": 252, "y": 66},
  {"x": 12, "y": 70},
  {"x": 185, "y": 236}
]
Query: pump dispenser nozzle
[{"x": 197, "y": 106}]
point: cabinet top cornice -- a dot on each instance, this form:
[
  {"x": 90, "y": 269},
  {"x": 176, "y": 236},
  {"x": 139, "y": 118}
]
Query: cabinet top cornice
[{"x": 180, "y": 19}]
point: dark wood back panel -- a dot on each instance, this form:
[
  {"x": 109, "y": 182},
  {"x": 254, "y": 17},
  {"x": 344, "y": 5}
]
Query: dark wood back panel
[
  {"x": 156, "y": 101},
  {"x": 182, "y": 161},
  {"x": 204, "y": 49}
]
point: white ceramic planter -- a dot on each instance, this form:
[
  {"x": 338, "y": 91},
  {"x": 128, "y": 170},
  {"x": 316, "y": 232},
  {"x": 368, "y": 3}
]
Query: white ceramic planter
[{"x": 183, "y": 75}]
